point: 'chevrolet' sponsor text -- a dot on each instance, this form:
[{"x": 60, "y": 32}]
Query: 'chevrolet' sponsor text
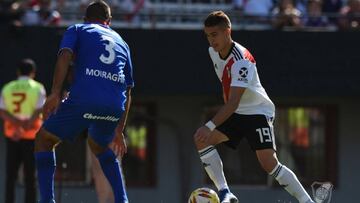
[{"x": 95, "y": 117}]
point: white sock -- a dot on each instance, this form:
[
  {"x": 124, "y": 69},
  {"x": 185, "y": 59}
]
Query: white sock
[
  {"x": 213, "y": 166},
  {"x": 289, "y": 181}
]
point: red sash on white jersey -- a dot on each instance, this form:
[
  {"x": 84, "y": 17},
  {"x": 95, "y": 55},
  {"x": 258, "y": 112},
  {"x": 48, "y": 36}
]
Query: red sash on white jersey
[{"x": 226, "y": 79}]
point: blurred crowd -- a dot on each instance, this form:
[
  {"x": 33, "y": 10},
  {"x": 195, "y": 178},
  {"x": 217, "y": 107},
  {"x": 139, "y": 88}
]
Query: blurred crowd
[
  {"x": 281, "y": 14},
  {"x": 29, "y": 12},
  {"x": 49, "y": 12},
  {"x": 344, "y": 14}
]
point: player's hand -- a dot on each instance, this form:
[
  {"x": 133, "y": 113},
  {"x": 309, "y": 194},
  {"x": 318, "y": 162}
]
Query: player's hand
[
  {"x": 27, "y": 124},
  {"x": 51, "y": 104},
  {"x": 119, "y": 145},
  {"x": 203, "y": 134},
  {"x": 17, "y": 134},
  {"x": 17, "y": 122}
]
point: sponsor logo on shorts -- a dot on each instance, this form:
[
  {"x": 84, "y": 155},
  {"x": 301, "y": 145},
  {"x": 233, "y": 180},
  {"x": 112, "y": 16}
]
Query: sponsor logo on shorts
[
  {"x": 116, "y": 77},
  {"x": 105, "y": 118}
]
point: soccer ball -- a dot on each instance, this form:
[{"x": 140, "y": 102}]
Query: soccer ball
[{"x": 203, "y": 195}]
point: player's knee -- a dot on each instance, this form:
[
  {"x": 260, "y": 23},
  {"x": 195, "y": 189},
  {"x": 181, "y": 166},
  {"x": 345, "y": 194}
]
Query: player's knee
[
  {"x": 45, "y": 141},
  {"x": 95, "y": 147},
  {"x": 197, "y": 140},
  {"x": 268, "y": 165},
  {"x": 198, "y": 143},
  {"x": 195, "y": 137},
  {"x": 267, "y": 161}
]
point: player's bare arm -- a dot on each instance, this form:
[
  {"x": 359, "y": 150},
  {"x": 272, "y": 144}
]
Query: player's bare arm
[
  {"x": 204, "y": 132},
  {"x": 123, "y": 118},
  {"x": 231, "y": 105},
  {"x": 119, "y": 144},
  {"x": 61, "y": 69}
]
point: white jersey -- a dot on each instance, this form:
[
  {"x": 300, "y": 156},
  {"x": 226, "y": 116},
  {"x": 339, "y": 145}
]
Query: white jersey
[{"x": 239, "y": 70}]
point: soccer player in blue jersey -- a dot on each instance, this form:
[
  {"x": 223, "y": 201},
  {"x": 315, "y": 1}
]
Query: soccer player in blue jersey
[{"x": 99, "y": 99}]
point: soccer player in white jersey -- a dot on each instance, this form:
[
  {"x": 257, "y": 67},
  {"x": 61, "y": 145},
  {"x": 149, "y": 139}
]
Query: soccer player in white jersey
[{"x": 248, "y": 112}]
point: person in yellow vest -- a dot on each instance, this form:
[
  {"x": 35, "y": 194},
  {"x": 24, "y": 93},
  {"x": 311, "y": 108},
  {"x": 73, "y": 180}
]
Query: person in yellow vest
[
  {"x": 299, "y": 122},
  {"x": 21, "y": 102}
]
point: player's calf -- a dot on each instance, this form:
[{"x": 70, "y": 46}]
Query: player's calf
[
  {"x": 112, "y": 171},
  {"x": 291, "y": 184},
  {"x": 199, "y": 144},
  {"x": 267, "y": 159},
  {"x": 286, "y": 178}
]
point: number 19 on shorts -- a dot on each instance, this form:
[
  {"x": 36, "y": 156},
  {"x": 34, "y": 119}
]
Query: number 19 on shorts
[{"x": 265, "y": 134}]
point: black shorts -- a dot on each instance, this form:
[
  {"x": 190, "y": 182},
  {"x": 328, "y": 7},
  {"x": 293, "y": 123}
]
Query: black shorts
[{"x": 257, "y": 129}]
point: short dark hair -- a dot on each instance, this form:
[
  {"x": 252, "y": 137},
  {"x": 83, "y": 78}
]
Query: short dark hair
[
  {"x": 26, "y": 67},
  {"x": 217, "y": 18},
  {"x": 98, "y": 10}
]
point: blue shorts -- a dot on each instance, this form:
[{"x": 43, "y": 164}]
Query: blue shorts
[{"x": 71, "y": 119}]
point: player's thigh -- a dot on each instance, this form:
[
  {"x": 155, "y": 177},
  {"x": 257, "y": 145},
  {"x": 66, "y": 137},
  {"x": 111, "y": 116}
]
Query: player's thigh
[
  {"x": 68, "y": 122},
  {"x": 233, "y": 129},
  {"x": 260, "y": 132},
  {"x": 267, "y": 159},
  {"x": 101, "y": 134},
  {"x": 102, "y": 129},
  {"x": 216, "y": 137}
]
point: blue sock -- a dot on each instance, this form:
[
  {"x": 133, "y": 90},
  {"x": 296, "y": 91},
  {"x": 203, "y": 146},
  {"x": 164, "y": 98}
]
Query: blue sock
[
  {"x": 112, "y": 170},
  {"x": 45, "y": 165}
]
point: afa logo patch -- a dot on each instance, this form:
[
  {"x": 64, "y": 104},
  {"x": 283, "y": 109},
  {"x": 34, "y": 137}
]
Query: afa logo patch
[
  {"x": 243, "y": 73},
  {"x": 322, "y": 191}
]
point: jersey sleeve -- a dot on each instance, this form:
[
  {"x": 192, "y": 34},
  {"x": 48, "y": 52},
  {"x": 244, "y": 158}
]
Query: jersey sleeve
[
  {"x": 242, "y": 73},
  {"x": 129, "y": 71},
  {"x": 69, "y": 39}
]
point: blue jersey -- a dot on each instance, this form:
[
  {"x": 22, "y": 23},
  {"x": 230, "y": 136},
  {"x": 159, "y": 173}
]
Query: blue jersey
[{"x": 102, "y": 65}]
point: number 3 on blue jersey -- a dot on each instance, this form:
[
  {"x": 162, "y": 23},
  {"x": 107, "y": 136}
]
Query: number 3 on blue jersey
[{"x": 109, "y": 47}]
